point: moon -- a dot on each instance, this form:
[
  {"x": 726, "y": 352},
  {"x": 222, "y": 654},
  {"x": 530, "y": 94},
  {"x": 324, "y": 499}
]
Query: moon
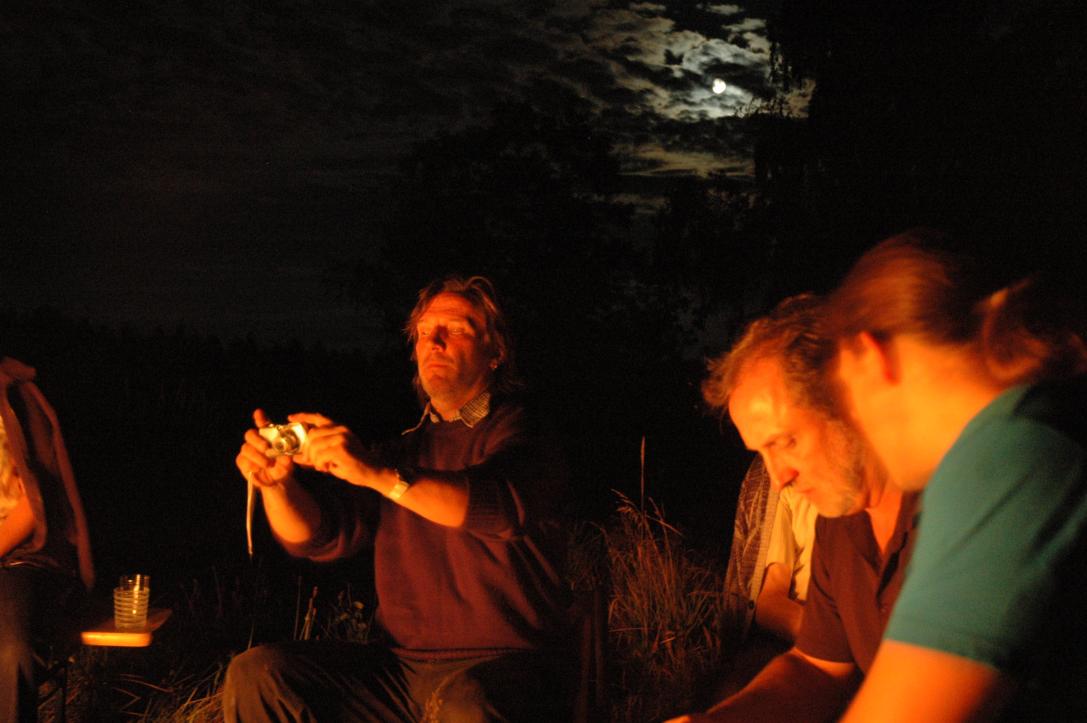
[{"x": 719, "y": 86}]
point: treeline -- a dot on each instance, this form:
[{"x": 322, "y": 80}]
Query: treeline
[
  {"x": 953, "y": 115},
  {"x": 153, "y": 421}
]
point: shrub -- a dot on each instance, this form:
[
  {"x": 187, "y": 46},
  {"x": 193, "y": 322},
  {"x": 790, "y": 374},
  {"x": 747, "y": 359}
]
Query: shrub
[{"x": 664, "y": 615}]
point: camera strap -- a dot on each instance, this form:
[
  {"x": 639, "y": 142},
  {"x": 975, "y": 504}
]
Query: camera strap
[{"x": 250, "y": 503}]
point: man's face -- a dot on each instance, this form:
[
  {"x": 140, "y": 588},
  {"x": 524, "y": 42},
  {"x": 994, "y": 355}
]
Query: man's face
[
  {"x": 452, "y": 350},
  {"x": 802, "y": 447}
]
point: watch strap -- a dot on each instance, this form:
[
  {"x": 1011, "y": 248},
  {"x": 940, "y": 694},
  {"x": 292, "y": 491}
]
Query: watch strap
[{"x": 404, "y": 477}]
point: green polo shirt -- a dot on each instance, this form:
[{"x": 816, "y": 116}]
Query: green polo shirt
[{"x": 997, "y": 574}]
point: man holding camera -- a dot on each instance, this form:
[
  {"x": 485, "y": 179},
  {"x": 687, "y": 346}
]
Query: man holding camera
[{"x": 460, "y": 513}]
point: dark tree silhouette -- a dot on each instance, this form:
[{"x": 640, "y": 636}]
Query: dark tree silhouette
[{"x": 962, "y": 115}]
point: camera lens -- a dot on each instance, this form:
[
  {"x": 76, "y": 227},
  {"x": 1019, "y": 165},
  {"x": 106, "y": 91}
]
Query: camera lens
[{"x": 287, "y": 443}]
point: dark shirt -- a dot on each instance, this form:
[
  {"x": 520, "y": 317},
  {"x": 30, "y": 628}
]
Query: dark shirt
[
  {"x": 494, "y": 584},
  {"x": 853, "y": 588}
]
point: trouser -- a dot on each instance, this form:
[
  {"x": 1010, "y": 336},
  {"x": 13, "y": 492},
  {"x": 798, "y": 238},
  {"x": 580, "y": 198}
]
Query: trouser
[
  {"x": 24, "y": 592},
  {"x": 329, "y": 681}
]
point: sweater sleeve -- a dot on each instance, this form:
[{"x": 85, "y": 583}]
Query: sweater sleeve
[
  {"x": 515, "y": 475},
  {"x": 348, "y": 518},
  {"x": 516, "y": 487}
]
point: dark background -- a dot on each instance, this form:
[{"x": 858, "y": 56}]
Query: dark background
[{"x": 210, "y": 207}]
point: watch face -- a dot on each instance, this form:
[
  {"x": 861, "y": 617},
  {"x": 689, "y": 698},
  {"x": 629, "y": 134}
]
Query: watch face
[{"x": 399, "y": 488}]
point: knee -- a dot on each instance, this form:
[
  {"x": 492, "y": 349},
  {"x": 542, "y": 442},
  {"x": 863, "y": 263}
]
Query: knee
[
  {"x": 249, "y": 679},
  {"x": 253, "y": 667},
  {"x": 460, "y": 699},
  {"x": 516, "y": 688}
]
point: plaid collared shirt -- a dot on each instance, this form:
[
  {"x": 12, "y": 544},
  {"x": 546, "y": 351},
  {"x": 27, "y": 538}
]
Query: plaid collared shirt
[{"x": 470, "y": 414}]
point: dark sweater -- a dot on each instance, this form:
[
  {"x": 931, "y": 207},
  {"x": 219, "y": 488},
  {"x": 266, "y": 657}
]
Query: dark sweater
[{"x": 492, "y": 585}]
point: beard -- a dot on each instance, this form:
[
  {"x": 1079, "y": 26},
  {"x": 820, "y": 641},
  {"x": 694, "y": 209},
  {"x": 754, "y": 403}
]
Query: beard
[{"x": 852, "y": 462}]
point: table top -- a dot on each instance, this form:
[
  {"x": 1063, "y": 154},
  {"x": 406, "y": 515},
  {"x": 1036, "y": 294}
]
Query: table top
[{"x": 106, "y": 633}]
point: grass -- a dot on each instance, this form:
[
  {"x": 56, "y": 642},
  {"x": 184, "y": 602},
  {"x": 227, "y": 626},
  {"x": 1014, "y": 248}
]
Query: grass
[
  {"x": 664, "y": 615},
  {"x": 664, "y": 612}
]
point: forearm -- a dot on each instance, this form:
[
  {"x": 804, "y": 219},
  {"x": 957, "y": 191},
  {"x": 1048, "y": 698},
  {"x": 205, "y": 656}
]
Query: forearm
[
  {"x": 910, "y": 683},
  {"x": 788, "y": 689},
  {"x": 292, "y": 512},
  {"x": 781, "y": 616},
  {"x": 775, "y": 611},
  {"x": 441, "y": 497}
]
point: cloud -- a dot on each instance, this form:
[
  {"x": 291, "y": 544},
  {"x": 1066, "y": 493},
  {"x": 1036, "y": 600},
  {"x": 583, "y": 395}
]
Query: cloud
[
  {"x": 724, "y": 9},
  {"x": 669, "y": 59}
]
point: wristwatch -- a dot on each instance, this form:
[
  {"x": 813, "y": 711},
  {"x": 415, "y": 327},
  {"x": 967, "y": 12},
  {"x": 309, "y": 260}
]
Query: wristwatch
[{"x": 404, "y": 477}]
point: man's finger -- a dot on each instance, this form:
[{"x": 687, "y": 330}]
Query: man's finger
[{"x": 309, "y": 418}]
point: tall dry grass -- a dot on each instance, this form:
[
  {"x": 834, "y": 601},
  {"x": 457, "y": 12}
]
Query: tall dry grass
[{"x": 664, "y": 615}]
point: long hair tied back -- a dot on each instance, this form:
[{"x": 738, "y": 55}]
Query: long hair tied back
[
  {"x": 919, "y": 283},
  {"x": 1029, "y": 332}
]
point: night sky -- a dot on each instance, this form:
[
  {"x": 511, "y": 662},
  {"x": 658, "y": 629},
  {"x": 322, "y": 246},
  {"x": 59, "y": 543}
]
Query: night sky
[{"x": 214, "y": 164}]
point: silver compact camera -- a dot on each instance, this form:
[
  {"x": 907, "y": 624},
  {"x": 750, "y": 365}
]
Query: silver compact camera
[{"x": 285, "y": 439}]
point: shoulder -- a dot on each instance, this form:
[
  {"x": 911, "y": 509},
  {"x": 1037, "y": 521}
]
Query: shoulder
[
  {"x": 509, "y": 408},
  {"x": 509, "y": 416},
  {"x": 1036, "y": 435},
  {"x": 1058, "y": 406},
  {"x": 13, "y": 370},
  {"x": 1002, "y": 514}
]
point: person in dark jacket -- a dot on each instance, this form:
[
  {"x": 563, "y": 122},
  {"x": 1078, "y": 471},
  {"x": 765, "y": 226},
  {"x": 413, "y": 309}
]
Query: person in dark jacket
[{"x": 45, "y": 550}]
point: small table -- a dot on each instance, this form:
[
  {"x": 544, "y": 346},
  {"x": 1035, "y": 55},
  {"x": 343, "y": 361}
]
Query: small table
[{"x": 107, "y": 633}]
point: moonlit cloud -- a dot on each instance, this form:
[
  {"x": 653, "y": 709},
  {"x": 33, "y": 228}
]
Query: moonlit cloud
[{"x": 667, "y": 70}]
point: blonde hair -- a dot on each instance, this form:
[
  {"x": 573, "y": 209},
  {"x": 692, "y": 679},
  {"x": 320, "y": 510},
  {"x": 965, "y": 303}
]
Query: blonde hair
[{"x": 793, "y": 334}]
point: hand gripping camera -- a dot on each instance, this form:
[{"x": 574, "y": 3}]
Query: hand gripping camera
[{"x": 285, "y": 439}]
